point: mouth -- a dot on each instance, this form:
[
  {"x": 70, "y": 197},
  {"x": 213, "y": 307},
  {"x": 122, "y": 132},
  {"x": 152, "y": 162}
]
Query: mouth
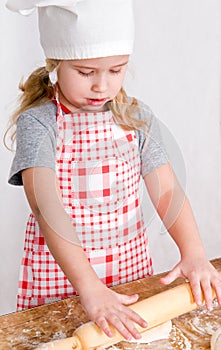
[{"x": 96, "y": 101}]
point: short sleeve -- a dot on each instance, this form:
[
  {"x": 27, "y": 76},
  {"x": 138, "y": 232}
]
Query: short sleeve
[
  {"x": 152, "y": 150},
  {"x": 35, "y": 147}
]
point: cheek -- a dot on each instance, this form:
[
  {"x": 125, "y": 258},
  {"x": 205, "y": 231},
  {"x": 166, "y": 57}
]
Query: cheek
[
  {"x": 69, "y": 84},
  {"x": 118, "y": 83},
  {"x": 123, "y": 76},
  {"x": 119, "y": 80}
]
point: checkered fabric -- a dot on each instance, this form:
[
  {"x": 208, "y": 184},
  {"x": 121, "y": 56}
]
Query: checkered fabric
[{"x": 98, "y": 169}]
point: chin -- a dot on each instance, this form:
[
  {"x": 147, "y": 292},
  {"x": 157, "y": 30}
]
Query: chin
[{"x": 94, "y": 108}]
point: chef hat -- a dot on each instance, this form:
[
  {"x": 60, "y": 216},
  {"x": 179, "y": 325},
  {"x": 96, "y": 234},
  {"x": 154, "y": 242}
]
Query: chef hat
[{"x": 79, "y": 29}]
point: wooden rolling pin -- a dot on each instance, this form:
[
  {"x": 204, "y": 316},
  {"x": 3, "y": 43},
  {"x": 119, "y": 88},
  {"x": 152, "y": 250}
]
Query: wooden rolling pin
[{"x": 155, "y": 310}]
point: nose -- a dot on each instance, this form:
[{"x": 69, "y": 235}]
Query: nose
[{"x": 100, "y": 83}]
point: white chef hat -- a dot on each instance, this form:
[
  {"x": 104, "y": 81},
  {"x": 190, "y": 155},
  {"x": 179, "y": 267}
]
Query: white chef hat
[{"x": 79, "y": 29}]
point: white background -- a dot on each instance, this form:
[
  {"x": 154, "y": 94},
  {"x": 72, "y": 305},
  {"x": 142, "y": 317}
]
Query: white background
[{"x": 176, "y": 70}]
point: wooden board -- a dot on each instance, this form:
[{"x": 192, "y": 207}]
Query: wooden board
[{"x": 27, "y": 329}]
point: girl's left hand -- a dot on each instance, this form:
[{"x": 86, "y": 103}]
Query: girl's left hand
[{"x": 202, "y": 277}]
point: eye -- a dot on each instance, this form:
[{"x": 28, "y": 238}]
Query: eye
[
  {"x": 86, "y": 74},
  {"x": 112, "y": 71}
]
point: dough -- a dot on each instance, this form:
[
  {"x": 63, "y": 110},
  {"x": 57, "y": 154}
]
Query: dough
[
  {"x": 160, "y": 332},
  {"x": 156, "y": 333},
  {"x": 216, "y": 340}
]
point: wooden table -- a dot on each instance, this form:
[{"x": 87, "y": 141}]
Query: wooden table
[{"x": 26, "y": 329}]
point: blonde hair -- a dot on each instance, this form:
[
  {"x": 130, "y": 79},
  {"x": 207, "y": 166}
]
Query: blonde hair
[{"x": 37, "y": 90}]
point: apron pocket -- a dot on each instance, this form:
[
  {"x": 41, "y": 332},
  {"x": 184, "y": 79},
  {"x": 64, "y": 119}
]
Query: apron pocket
[{"x": 105, "y": 263}]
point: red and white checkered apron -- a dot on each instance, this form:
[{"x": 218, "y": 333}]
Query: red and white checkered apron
[{"x": 98, "y": 169}]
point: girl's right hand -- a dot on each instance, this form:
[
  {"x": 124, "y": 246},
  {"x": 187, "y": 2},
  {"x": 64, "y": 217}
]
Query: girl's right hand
[{"x": 105, "y": 307}]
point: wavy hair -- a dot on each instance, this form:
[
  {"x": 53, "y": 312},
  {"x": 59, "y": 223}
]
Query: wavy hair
[{"x": 37, "y": 90}]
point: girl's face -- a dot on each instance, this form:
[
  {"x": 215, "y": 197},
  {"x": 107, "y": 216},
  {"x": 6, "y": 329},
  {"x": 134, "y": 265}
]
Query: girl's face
[{"x": 88, "y": 84}]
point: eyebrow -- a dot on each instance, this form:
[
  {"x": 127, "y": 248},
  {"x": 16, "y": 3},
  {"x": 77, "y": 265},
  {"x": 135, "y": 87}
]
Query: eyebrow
[{"x": 86, "y": 67}]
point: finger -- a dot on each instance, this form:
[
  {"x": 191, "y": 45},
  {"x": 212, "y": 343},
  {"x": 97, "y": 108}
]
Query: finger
[
  {"x": 102, "y": 323},
  {"x": 129, "y": 325},
  {"x": 128, "y": 299},
  {"x": 217, "y": 287},
  {"x": 207, "y": 293},
  {"x": 120, "y": 327},
  {"x": 132, "y": 315},
  {"x": 196, "y": 290},
  {"x": 171, "y": 276}
]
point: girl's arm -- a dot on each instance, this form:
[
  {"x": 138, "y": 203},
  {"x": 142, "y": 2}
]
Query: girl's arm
[
  {"x": 175, "y": 212},
  {"x": 102, "y": 305}
]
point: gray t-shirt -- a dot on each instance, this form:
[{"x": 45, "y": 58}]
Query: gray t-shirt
[{"x": 36, "y": 141}]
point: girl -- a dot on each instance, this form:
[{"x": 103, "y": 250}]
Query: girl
[{"x": 82, "y": 145}]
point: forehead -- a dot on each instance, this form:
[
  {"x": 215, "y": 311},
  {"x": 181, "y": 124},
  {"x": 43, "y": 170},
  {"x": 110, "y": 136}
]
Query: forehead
[{"x": 101, "y": 62}]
